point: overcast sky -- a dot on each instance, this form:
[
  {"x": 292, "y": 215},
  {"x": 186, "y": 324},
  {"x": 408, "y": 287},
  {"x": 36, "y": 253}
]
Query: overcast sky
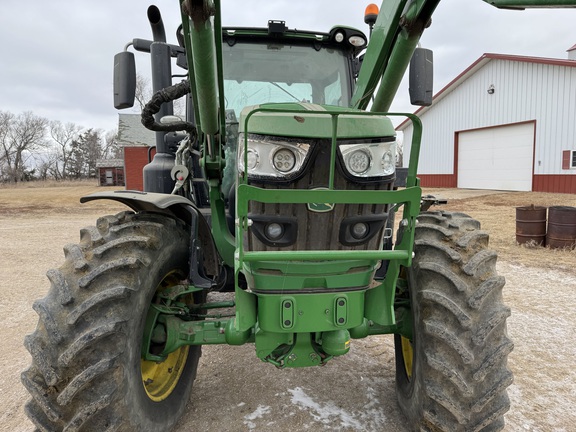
[{"x": 56, "y": 56}]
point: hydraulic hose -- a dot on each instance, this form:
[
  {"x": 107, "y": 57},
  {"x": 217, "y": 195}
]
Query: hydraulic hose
[{"x": 167, "y": 94}]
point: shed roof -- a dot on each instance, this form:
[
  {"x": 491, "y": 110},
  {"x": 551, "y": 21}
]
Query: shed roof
[
  {"x": 131, "y": 132},
  {"x": 477, "y": 65},
  {"x": 110, "y": 163}
]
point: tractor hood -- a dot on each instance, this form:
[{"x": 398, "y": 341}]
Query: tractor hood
[{"x": 313, "y": 121}]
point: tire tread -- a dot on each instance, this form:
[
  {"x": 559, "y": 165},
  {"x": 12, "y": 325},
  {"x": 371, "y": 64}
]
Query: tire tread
[
  {"x": 460, "y": 372},
  {"x": 84, "y": 340}
]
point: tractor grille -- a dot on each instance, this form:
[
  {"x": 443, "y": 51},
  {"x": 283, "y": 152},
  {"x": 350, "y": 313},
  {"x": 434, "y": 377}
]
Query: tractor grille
[{"x": 313, "y": 230}]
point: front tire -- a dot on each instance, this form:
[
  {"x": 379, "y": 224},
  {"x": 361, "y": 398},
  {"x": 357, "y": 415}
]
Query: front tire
[
  {"x": 453, "y": 375},
  {"x": 86, "y": 370}
]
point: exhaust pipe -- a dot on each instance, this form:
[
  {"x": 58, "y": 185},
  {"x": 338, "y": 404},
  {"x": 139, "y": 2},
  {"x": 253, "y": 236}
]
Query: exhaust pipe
[
  {"x": 155, "y": 18},
  {"x": 156, "y": 174}
]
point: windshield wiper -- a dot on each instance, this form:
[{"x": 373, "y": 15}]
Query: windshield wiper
[{"x": 285, "y": 91}]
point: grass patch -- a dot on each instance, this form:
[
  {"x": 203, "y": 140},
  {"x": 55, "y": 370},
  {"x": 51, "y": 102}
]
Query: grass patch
[{"x": 36, "y": 184}]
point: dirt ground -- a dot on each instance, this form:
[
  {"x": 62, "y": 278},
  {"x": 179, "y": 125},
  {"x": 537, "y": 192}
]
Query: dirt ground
[{"x": 234, "y": 391}]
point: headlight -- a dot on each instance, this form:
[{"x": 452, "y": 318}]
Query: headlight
[
  {"x": 271, "y": 157},
  {"x": 284, "y": 160},
  {"x": 358, "y": 160},
  {"x": 376, "y": 159},
  {"x": 357, "y": 41}
]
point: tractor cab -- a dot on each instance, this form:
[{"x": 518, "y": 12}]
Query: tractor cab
[{"x": 274, "y": 64}]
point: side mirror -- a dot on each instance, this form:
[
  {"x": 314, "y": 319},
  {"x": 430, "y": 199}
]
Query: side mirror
[
  {"x": 421, "y": 77},
  {"x": 124, "y": 80}
]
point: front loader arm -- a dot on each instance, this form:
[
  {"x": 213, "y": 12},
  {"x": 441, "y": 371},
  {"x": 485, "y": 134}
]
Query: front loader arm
[
  {"x": 203, "y": 38},
  {"x": 200, "y": 32}
]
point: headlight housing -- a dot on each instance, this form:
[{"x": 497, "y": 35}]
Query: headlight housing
[
  {"x": 369, "y": 159},
  {"x": 273, "y": 157}
]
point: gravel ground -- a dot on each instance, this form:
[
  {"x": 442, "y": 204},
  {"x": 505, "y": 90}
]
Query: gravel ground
[{"x": 234, "y": 391}]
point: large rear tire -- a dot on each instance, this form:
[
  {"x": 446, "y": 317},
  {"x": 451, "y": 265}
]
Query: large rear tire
[
  {"x": 86, "y": 370},
  {"x": 453, "y": 375}
]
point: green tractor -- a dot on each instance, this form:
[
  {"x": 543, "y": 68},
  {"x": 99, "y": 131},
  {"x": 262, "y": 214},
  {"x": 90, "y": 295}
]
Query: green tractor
[{"x": 280, "y": 185}]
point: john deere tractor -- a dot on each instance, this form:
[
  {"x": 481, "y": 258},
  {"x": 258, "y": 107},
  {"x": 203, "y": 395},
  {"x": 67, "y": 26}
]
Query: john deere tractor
[{"x": 279, "y": 184}]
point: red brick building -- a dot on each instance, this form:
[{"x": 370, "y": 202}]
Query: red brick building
[
  {"x": 138, "y": 143},
  {"x": 135, "y": 159}
]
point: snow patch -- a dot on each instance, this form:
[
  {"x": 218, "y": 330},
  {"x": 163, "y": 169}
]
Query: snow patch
[
  {"x": 328, "y": 414},
  {"x": 258, "y": 413}
]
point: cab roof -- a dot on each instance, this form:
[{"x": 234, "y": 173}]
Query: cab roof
[{"x": 345, "y": 38}]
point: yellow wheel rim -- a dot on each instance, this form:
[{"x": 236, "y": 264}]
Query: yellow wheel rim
[
  {"x": 160, "y": 379},
  {"x": 407, "y": 355}
]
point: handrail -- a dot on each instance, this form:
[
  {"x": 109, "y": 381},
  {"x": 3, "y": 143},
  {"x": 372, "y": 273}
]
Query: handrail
[{"x": 410, "y": 196}]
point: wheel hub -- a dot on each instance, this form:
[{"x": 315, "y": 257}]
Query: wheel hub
[{"x": 160, "y": 378}]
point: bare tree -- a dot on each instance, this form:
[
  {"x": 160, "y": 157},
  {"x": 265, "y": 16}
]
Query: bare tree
[
  {"x": 52, "y": 165},
  {"x": 63, "y": 135},
  {"x": 111, "y": 149},
  {"x": 144, "y": 94},
  {"x": 6, "y": 119},
  {"x": 143, "y": 90},
  {"x": 44, "y": 169},
  {"x": 22, "y": 135}
]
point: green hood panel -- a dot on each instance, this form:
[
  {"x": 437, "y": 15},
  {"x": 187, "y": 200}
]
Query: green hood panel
[{"x": 304, "y": 120}]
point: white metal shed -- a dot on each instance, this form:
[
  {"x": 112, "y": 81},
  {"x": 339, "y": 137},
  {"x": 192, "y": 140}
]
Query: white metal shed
[{"x": 505, "y": 123}]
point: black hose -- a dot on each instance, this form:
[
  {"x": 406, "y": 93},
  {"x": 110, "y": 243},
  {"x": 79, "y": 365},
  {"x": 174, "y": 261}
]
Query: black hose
[{"x": 167, "y": 94}]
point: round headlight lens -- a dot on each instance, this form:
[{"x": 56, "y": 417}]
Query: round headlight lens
[
  {"x": 339, "y": 37},
  {"x": 359, "y": 161},
  {"x": 284, "y": 160},
  {"x": 359, "y": 230},
  {"x": 274, "y": 231}
]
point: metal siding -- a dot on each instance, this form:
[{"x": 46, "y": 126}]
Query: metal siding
[
  {"x": 523, "y": 92},
  {"x": 555, "y": 183},
  {"x": 438, "y": 180}
]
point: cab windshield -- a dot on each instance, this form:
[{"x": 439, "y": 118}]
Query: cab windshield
[{"x": 257, "y": 73}]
